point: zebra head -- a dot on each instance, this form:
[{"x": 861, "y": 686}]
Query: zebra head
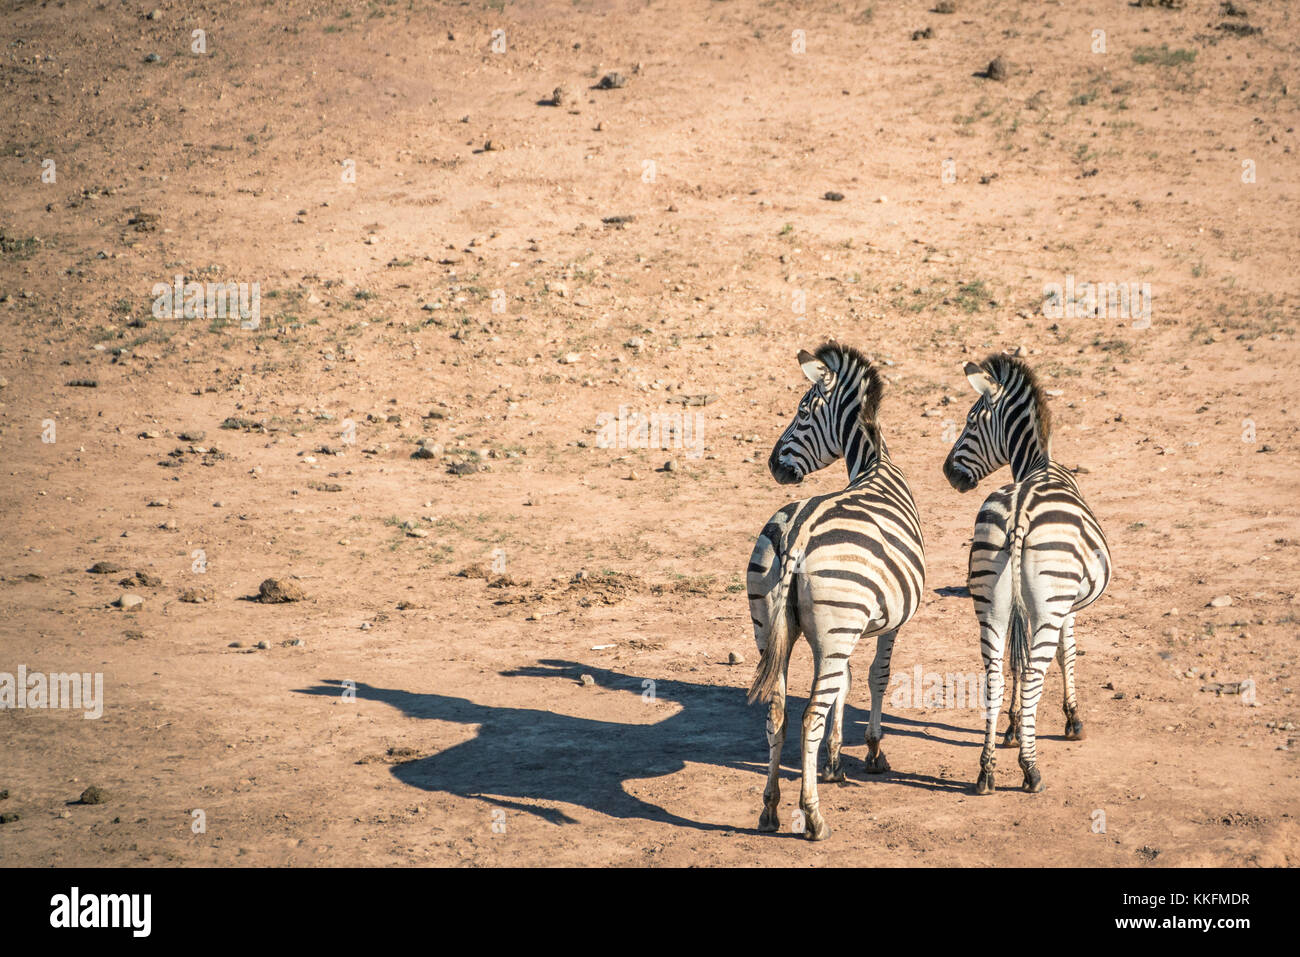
[
  {"x": 1008, "y": 423},
  {"x": 836, "y": 416}
]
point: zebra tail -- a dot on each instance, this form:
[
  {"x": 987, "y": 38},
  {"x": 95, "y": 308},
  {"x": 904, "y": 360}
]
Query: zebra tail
[
  {"x": 1019, "y": 638},
  {"x": 771, "y": 663}
]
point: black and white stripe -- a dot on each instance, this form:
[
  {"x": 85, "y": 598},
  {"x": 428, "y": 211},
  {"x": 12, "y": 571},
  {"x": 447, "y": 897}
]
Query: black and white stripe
[
  {"x": 835, "y": 568},
  {"x": 1038, "y": 555}
]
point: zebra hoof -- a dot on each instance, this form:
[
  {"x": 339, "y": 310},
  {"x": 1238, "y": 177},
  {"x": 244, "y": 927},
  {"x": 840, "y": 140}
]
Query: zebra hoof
[
  {"x": 815, "y": 828},
  {"x": 768, "y": 822},
  {"x": 1033, "y": 780},
  {"x": 876, "y": 764},
  {"x": 985, "y": 783},
  {"x": 832, "y": 774},
  {"x": 1011, "y": 739},
  {"x": 1073, "y": 730}
]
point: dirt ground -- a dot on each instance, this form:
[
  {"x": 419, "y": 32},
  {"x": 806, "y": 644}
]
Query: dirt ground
[{"x": 663, "y": 246}]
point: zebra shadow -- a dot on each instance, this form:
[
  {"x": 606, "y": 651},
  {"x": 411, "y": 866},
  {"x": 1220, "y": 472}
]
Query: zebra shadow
[{"x": 523, "y": 755}]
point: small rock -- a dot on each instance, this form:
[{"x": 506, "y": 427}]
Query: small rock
[
  {"x": 93, "y": 795},
  {"x": 735, "y": 659},
  {"x": 1220, "y": 601},
  {"x": 9, "y": 817},
  {"x": 130, "y": 602},
  {"x": 104, "y": 568},
  {"x": 263, "y": 645},
  {"x": 587, "y": 681},
  {"x": 612, "y": 81},
  {"x": 833, "y": 196},
  {"x": 998, "y": 69}
]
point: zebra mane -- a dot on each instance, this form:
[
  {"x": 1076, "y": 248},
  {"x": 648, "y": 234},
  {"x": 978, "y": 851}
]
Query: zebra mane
[
  {"x": 1010, "y": 372},
  {"x": 838, "y": 358}
]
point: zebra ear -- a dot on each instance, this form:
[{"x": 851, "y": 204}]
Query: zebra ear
[
  {"x": 980, "y": 380},
  {"x": 817, "y": 371}
]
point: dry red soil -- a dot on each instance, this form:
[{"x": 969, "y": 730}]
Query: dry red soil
[{"x": 416, "y": 285}]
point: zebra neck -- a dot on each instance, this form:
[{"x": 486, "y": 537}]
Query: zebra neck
[
  {"x": 863, "y": 457},
  {"x": 1030, "y": 464},
  {"x": 1025, "y": 453}
]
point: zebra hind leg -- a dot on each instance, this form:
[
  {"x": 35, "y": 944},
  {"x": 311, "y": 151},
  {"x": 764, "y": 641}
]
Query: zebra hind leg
[
  {"x": 991, "y": 647},
  {"x": 1040, "y": 655},
  {"x": 1015, "y": 713},
  {"x": 1065, "y": 655},
  {"x": 770, "y": 820},
  {"x": 879, "y": 680},
  {"x": 833, "y": 772},
  {"x": 827, "y": 686},
  {"x": 775, "y": 631}
]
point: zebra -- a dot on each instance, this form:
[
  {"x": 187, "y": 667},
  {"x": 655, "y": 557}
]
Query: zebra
[
  {"x": 835, "y": 568},
  {"x": 1038, "y": 555}
]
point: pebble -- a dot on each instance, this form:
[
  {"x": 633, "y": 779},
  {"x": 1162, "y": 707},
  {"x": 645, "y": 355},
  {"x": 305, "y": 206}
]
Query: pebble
[
  {"x": 1221, "y": 601},
  {"x": 130, "y": 602},
  {"x": 587, "y": 681},
  {"x": 735, "y": 659}
]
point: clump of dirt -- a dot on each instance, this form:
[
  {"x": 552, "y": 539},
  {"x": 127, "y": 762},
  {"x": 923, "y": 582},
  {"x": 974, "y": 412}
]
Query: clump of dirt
[{"x": 275, "y": 591}]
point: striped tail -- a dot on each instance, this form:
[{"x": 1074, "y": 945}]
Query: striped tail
[
  {"x": 1019, "y": 637},
  {"x": 771, "y": 663}
]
